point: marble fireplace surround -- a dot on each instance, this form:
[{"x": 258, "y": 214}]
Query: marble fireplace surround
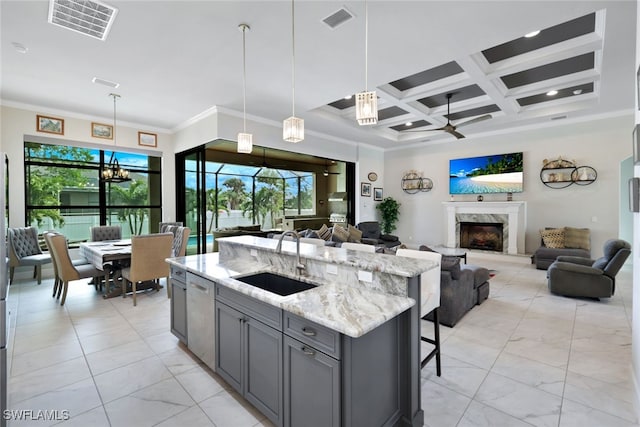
[{"x": 512, "y": 216}]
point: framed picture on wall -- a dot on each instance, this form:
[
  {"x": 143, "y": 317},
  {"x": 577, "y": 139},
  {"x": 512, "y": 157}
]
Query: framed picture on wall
[
  {"x": 147, "y": 139},
  {"x": 377, "y": 194},
  {"x": 50, "y": 125},
  {"x": 365, "y": 189},
  {"x": 99, "y": 130}
]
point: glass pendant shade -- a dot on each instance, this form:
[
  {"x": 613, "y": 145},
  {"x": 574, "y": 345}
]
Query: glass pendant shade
[
  {"x": 293, "y": 129},
  {"x": 366, "y": 108},
  {"x": 245, "y": 143}
]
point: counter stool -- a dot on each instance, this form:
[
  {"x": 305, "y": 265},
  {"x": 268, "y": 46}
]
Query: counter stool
[{"x": 429, "y": 300}]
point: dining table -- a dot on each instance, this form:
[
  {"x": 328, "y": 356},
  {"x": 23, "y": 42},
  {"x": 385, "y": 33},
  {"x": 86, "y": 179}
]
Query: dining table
[{"x": 112, "y": 253}]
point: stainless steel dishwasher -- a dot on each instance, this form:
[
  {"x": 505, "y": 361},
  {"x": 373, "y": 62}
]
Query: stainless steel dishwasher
[{"x": 201, "y": 318}]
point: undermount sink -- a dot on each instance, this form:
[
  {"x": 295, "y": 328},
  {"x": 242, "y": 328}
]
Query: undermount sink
[{"x": 275, "y": 283}]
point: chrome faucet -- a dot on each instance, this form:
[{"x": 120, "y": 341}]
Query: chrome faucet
[{"x": 299, "y": 265}]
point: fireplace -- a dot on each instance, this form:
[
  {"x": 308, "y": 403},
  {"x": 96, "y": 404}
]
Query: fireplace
[{"x": 487, "y": 236}]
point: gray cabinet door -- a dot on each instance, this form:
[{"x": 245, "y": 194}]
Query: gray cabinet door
[
  {"x": 263, "y": 374},
  {"x": 229, "y": 345},
  {"x": 311, "y": 386},
  {"x": 179, "y": 310}
]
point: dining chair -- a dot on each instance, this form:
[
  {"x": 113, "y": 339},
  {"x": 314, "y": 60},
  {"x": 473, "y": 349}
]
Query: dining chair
[
  {"x": 106, "y": 232},
  {"x": 429, "y": 299},
  {"x": 162, "y": 225},
  {"x": 57, "y": 281},
  {"x": 24, "y": 250},
  {"x": 148, "y": 254},
  {"x": 358, "y": 247},
  {"x": 179, "y": 246},
  {"x": 66, "y": 271}
]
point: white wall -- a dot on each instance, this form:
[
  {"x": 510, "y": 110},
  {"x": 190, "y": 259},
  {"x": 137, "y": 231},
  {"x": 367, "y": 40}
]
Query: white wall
[
  {"x": 635, "y": 251},
  {"x": 15, "y": 123},
  {"x": 601, "y": 144}
]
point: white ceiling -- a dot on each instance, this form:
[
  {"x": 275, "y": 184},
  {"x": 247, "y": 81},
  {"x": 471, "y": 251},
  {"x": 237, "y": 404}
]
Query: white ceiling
[{"x": 176, "y": 59}]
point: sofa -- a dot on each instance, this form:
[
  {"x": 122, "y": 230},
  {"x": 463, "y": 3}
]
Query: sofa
[
  {"x": 462, "y": 287},
  {"x": 565, "y": 241},
  {"x": 239, "y": 230}
]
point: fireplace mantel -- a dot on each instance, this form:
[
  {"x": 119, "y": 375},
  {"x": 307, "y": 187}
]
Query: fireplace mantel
[{"x": 513, "y": 216}]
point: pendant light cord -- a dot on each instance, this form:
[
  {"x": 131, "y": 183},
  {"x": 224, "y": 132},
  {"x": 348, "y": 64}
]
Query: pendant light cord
[
  {"x": 293, "y": 60},
  {"x": 244, "y": 81},
  {"x": 366, "y": 46}
]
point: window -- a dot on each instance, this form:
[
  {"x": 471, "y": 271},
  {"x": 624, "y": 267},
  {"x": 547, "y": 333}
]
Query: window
[{"x": 63, "y": 191}]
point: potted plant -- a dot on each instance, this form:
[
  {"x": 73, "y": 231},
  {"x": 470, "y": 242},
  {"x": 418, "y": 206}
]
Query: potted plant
[{"x": 390, "y": 210}]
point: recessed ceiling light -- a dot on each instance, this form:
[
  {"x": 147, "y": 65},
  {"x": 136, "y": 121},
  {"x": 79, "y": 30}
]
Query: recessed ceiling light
[
  {"x": 408, "y": 124},
  {"x": 348, "y": 97},
  {"x": 104, "y": 82},
  {"x": 552, "y": 93},
  {"x": 19, "y": 47},
  {"x": 532, "y": 34},
  {"x": 577, "y": 91}
]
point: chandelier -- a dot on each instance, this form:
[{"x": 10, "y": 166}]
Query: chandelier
[{"x": 113, "y": 172}]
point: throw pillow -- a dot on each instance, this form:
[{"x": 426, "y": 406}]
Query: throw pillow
[
  {"x": 324, "y": 233},
  {"x": 577, "y": 238},
  {"x": 553, "y": 238},
  {"x": 340, "y": 234},
  {"x": 355, "y": 235}
]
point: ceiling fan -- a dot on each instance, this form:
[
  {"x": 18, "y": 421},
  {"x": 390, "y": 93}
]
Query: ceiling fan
[
  {"x": 326, "y": 172},
  {"x": 264, "y": 163},
  {"x": 449, "y": 128}
]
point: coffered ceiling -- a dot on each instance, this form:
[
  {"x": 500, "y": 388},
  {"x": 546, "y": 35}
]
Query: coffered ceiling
[{"x": 174, "y": 60}]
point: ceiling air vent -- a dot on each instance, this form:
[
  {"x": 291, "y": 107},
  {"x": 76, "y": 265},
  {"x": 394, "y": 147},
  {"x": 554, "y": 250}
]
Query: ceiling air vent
[
  {"x": 91, "y": 18},
  {"x": 338, "y": 18},
  {"x": 558, "y": 117}
]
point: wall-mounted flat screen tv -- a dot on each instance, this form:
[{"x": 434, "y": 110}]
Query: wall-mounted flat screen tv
[{"x": 499, "y": 173}]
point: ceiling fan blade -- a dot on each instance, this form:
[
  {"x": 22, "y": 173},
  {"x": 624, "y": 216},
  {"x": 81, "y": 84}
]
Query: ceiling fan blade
[
  {"x": 456, "y": 134},
  {"x": 425, "y": 130},
  {"x": 476, "y": 120}
]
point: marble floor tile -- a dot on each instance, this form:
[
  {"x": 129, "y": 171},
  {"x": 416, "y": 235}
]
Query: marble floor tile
[
  {"x": 535, "y": 374},
  {"x": 192, "y": 417},
  {"x": 95, "y": 418},
  {"x": 31, "y": 384},
  {"x": 442, "y": 407},
  {"x": 118, "y": 356},
  {"x": 75, "y": 399},
  {"x": 178, "y": 360},
  {"x": 105, "y": 340},
  {"x": 473, "y": 353},
  {"x": 603, "y": 396},
  {"x": 479, "y": 415},
  {"x": 519, "y": 400},
  {"x": 578, "y": 415},
  {"x": 608, "y": 366},
  {"x": 149, "y": 406},
  {"x": 162, "y": 342},
  {"x": 457, "y": 375},
  {"x": 48, "y": 356},
  {"x": 130, "y": 378},
  {"x": 550, "y": 353},
  {"x": 230, "y": 410},
  {"x": 201, "y": 384}
]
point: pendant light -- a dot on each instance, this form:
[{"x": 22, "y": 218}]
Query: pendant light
[
  {"x": 366, "y": 102},
  {"x": 293, "y": 127},
  {"x": 245, "y": 140},
  {"x": 113, "y": 172}
]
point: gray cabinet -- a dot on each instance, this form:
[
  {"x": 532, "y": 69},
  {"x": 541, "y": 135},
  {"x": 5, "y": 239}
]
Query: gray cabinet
[
  {"x": 178, "y": 304},
  {"x": 311, "y": 386},
  {"x": 201, "y": 318},
  {"x": 249, "y": 353}
]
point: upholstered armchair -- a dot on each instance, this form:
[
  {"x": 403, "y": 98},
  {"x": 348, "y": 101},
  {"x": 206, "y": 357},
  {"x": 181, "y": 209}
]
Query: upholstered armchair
[
  {"x": 24, "y": 250},
  {"x": 372, "y": 235},
  {"x": 583, "y": 277}
]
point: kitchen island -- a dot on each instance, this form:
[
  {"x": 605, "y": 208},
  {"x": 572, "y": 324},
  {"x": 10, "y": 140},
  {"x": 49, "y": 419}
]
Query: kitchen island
[{"x": 344, "y": 353}]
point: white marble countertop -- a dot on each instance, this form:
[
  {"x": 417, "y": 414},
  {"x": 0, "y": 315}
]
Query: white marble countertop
[{"x": 351, "y": 310}]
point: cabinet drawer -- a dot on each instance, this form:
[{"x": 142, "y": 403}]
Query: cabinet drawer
[
  {"x": 313, "y": 334},
  {"x": 179, "y": 274},
  {"x": 257, "y": 309}
]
